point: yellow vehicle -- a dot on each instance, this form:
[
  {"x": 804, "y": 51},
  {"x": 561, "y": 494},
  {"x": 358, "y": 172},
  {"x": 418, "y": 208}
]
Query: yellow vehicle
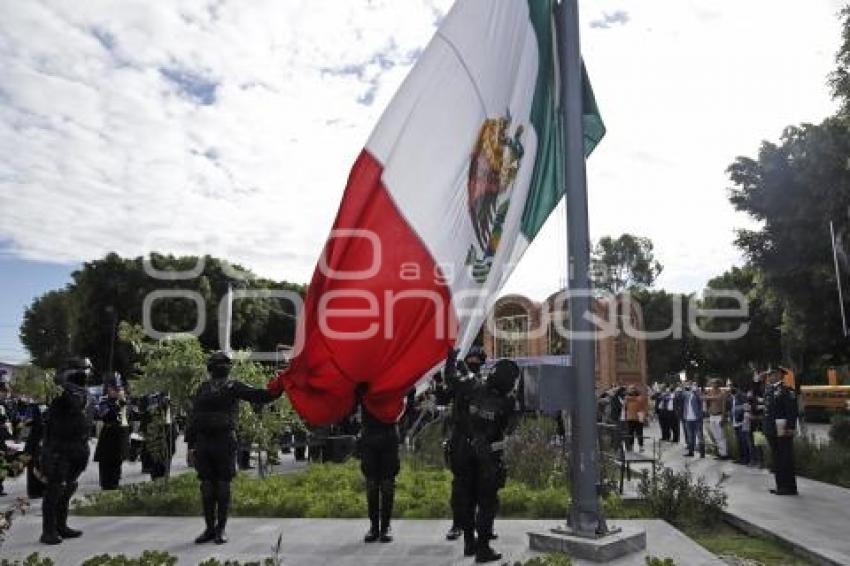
[{"x": 832, "y": 398}]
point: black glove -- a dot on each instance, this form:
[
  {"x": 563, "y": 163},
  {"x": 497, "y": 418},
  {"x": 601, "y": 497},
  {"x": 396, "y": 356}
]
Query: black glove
[{"x": 450, "y": 369}]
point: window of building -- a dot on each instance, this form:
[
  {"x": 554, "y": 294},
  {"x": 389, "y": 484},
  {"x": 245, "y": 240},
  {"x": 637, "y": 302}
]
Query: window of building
[{"x": 512, "y": 338}]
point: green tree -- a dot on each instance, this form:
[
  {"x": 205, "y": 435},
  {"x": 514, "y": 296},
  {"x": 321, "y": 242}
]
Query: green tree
[
  {"x": 794, "y": 189},
  {"x": 46, "y": 329},
  {"x": 624, "y": 263},
  {"x": 667, "y": 351},
  {"x": 33, "y": 381},
  {"x": 84, "y": 317},
  {"x": 176, "y": 366},
  {"x": 262, "y": 425},
  {"x": 760, "y": 347}
]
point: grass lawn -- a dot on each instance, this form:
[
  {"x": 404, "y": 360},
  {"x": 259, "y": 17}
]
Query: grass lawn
[
  {"x": 337, "y": 491},
  {"x": 725, "y": 540}
]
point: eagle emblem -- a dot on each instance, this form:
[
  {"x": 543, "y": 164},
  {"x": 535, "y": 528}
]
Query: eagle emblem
[{"x": 493, "y": 168}]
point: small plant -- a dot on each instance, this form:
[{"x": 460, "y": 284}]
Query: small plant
[
  {"x": 548, "y": 560},
  {"x": 533, "y": 457},
  {"x": 678, "y": 498},
  {"x": 655, "y": 561},
  {"x": 32, "y": 560},
  {"x": 148, "y": 558}
]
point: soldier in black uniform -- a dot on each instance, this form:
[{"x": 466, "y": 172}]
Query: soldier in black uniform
[
  {"x": 211, "y": 439},
  {"x": 783, "y": 407},
  {"x": 458, "y": 429},
  {"x": 492, "y": 415},
  {"x": 65, "y": 453},
  {"x": 114, "y": 441},
  {"x": 379, "y": 462}
]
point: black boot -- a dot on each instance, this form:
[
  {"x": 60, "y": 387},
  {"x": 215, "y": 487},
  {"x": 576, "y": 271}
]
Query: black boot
[
  {"x": 469, "y": 543},
  {"x": 223, "y": 502},
  {"x": 49, "y": 533},
  {"x": 454, "y": 532},
  {"x": 208, "y": 503},
  {"x": 483, "y": 552},
  {"x": 387, "y": 500},
  {"x": 62, "y": 513},
  {"x": 373, "y": 494}
]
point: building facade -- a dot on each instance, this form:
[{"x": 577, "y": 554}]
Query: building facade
[{"x": 519, "y": 327}]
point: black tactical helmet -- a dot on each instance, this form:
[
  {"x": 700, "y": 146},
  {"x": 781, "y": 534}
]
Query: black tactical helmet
[
  {"x": 476, "y": 352},
  {"x": 503, "y": 376},
  {"x": 219, "y": 360},
  {"x": 76, "y": 370}
]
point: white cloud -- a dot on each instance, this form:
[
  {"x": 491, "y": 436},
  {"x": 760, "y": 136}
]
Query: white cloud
[
  {"x": 683, "y": 91},
  {"x": 230, "y": 127},
  {"x": 187, "y": 125}
]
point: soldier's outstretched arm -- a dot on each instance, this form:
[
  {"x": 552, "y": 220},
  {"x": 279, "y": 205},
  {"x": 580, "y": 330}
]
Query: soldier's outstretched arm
[{"x": 245, "y": 392}]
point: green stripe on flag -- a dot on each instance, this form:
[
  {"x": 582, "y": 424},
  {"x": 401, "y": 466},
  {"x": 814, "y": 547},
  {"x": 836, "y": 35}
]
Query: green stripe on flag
[{"x": 547, "y": 182}]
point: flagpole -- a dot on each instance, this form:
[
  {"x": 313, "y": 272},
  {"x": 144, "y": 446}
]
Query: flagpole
[
  {"x": 228, "y": 321},
  {"x": 838, "y": 280},
  {"x": 585, "y": 515}
]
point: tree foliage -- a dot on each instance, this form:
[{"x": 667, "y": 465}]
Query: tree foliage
[
  {"x": 46, "y": 328},
  {"x": 83, "y": 318},
  {"x": 32, "y": 381},
  {"x": 624, "y": 263},
  {"x": 794, "y": 189},
  {"x": 760, "y": 347}
]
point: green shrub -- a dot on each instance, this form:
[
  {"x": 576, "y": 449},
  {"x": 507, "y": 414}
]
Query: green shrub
[
  {"x": 148, "y": 558},
  {"x": 678, "y": 498},
  {"x": 839, "y": 432},
  {"x": 533, "y": 458},
  {"x": 549, "y": 560},
  {"x": 32, "y": 560},
  {"x": 829, "y": 462},
  {"x": 655, "y": 561}
]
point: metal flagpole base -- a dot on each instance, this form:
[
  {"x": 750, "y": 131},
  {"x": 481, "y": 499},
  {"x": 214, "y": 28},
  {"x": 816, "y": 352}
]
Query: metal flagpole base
[{"x": 616, "y": 543}]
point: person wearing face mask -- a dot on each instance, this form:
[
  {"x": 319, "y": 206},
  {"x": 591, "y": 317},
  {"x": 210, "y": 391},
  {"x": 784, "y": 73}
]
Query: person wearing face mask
[
  {"x": 457, "y": 427},
  {"x": 114, "y": 441},
  {"x": 491, "y": 417},
  {"x": 211, "y": 439},
  {"x": 65, "y": 453},
  {"x": 782, "y": 410},
  {"x": 693, "y": 416},
  {"x": 741, "y": 424}
]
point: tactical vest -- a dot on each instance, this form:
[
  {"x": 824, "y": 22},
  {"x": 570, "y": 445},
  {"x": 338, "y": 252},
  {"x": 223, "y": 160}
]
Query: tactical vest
[
  {"x": 214, "y": 409},
  {"x": 70, "y": 416}
]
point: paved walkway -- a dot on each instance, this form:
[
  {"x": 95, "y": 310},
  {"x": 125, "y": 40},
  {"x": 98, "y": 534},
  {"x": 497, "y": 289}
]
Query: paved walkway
[
  {"x": 314, "y": 542},
  {"x": 816, "y": 523}
]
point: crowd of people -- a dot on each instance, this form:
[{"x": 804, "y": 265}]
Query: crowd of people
[
  {"x": 479, "y": 405},
  {"x": 760, "y": 419}
]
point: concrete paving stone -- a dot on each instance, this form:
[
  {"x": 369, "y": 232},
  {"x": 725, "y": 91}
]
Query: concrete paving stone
[{"x": 313, "y": 542}]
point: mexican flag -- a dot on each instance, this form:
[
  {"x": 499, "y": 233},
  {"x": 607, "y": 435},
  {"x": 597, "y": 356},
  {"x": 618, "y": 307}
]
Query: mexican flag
[{"x": 457, "y": 178}]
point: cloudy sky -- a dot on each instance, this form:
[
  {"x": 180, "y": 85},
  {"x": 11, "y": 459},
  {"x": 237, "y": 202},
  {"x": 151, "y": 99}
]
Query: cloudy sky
[{"x": 229, "y": 127}]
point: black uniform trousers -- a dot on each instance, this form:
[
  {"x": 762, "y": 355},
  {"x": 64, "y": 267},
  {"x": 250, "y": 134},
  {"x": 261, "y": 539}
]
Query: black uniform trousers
[
  {"x": 110, "y": 453},
  {"x": 62, "y": 464},
  {"x": 480, "y": 474},
  {"x": 215, "y": 463},
  {"x": 380, "y": 464},
  {"x": 786, "y": 480}
]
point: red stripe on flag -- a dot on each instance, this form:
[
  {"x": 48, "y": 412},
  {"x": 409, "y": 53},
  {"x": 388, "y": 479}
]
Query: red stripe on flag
[{"x": 400, "y": 321}]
